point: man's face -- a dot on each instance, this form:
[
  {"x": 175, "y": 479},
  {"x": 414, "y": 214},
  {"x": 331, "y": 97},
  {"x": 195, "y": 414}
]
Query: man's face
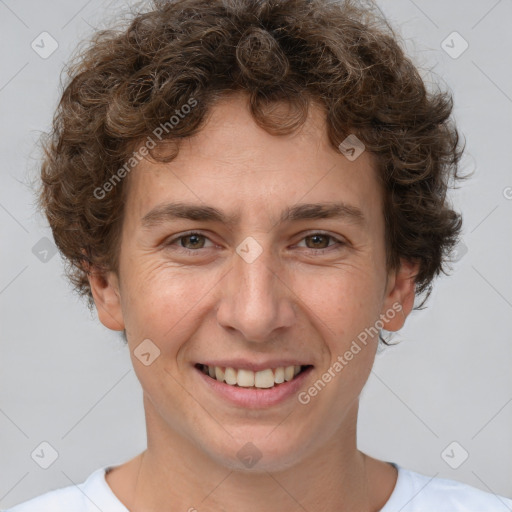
[{"x": 263, "y": 290}]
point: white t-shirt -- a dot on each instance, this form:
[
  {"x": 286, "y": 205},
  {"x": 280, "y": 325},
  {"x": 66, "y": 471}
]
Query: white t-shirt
[{"x": 413, "y": 492}]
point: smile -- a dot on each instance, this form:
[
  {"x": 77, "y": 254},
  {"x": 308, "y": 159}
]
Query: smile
[{"x": 263, "y": 379}]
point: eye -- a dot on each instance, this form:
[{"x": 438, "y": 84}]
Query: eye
[
  {"x": 319, "y": 241},
  {"x": 193, "y": 239}
]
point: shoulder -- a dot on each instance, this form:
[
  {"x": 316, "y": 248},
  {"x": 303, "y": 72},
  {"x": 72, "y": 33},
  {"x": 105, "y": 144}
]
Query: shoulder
[
  {"x": 89, "y": 496},
  {"x": 58, "y": 500},
  {"x": 415, "y": 492}
]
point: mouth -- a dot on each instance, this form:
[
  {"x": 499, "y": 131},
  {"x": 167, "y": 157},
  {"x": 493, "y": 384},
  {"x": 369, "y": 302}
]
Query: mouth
[{"x": 243, "y": 378}]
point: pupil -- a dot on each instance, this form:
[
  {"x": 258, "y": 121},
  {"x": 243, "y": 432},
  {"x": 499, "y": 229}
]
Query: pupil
[
  {"x": 316, "y": 237},
  {"x": 193, "y": 238}
]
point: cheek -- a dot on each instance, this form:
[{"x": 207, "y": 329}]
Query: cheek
[
  {"x": 345, "y": 299},
  {"x": 161, "y": 300},
  {"x": 347, "y": 311}
]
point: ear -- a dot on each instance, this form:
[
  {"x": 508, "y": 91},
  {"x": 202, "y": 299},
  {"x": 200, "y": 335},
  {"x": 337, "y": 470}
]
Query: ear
[
  {"x": 400, "y": 294},
  {"x": 107, "y": 298}
]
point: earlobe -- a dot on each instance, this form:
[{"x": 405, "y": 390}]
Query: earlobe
[
  {"x": 105, "y": 291},
  {"x": 400, "y": 295}
]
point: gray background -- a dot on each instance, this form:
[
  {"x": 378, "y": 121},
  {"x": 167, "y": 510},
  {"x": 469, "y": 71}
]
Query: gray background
[{"x": 67, "y": 380}]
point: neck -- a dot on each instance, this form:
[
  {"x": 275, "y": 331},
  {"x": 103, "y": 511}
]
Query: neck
[
  {"x": 306, "y": 486},
  {"x": 335, "y": 478}
]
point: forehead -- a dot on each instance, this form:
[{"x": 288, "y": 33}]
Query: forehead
[{"x": 235, "y": 165}]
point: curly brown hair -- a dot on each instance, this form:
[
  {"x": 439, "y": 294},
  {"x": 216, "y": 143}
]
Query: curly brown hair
[{"x": 343, "y": 56}]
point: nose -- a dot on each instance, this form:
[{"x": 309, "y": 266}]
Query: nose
[{"x": 256, "y": 301}]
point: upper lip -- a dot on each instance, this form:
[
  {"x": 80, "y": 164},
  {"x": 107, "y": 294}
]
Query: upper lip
[{"x": 255, "y": 366}]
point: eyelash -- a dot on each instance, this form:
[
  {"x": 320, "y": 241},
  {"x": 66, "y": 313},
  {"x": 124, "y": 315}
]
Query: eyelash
[{"x": 171, "y": 242}]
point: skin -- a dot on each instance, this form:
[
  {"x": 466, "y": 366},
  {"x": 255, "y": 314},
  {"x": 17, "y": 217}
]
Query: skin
[{"x": 292, "y": 301}]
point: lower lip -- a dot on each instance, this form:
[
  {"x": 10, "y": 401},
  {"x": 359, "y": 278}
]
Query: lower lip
[{"x": 253, "y": 398}]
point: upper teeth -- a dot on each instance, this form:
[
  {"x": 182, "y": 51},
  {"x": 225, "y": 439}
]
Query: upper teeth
[{"x": 247, "y": 378}]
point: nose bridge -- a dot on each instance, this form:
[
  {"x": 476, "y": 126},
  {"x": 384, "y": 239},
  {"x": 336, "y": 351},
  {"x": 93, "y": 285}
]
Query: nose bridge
[{"x": 255, "y": 302}]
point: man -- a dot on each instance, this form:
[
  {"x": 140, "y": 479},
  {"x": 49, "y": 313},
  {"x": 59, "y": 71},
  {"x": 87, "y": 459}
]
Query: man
[{"x": 251, "y": 192}]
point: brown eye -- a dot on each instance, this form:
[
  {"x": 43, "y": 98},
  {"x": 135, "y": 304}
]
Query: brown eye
[
  {"x": 318, "y": 241},
  {"x": 189, "y": 242},
  {"x": 195, "y": 241}
]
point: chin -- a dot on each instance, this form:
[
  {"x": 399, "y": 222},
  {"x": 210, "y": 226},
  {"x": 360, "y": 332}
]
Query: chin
[{"x": 258, "y": 450}]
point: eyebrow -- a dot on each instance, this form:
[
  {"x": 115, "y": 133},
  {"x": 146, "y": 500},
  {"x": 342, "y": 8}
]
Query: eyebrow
[{"x": 305, "y": 211}]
